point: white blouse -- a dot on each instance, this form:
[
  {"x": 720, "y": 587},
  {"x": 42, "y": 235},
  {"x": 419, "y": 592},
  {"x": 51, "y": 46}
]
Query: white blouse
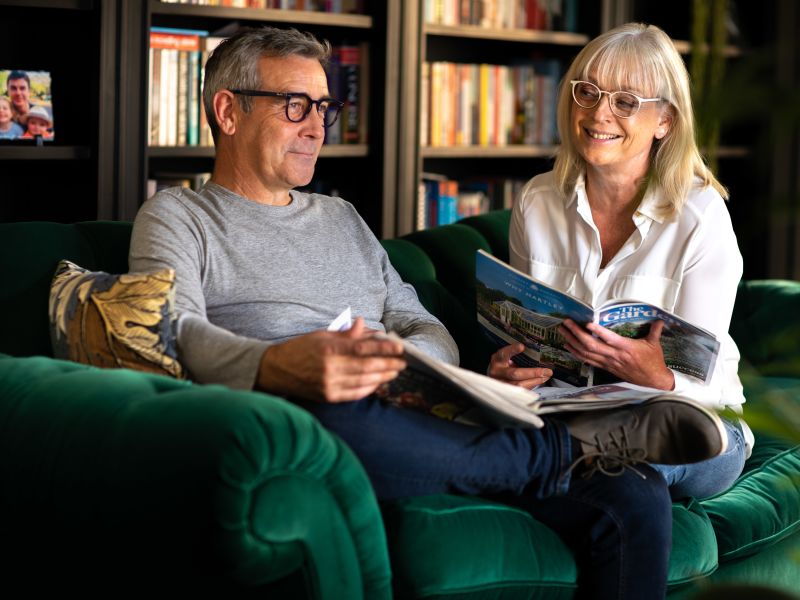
[{"x": 689, "y": 265}]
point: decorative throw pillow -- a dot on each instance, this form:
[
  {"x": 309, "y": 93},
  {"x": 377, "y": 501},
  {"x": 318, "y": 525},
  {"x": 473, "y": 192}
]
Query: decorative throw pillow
[{"x": 115, "y": 321}]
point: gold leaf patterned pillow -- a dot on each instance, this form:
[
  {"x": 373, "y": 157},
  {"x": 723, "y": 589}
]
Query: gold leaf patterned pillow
[{"x": 114, "y": 321}]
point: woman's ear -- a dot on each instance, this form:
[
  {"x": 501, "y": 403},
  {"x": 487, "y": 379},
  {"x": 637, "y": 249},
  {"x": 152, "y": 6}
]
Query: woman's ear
[{"x": 664, "y": 123}]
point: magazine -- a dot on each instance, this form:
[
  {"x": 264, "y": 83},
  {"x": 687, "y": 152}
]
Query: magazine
[
  {"x": 450, "y": 392},
  {"x": 514, "y": 307}
]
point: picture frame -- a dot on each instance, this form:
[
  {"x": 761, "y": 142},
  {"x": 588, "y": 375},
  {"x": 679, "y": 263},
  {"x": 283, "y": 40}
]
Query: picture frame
[{"x": 26, "y": 105}]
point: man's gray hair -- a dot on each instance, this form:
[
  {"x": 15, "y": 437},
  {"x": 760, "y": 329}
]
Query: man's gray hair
[{"x": 234, "y": 63}]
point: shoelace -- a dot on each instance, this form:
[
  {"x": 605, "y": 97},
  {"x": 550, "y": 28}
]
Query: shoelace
[{"x": 612, "y": 457}]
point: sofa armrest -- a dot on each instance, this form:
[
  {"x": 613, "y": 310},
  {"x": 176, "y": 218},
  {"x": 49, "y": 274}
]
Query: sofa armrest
[{"x": 145, "y": 478}]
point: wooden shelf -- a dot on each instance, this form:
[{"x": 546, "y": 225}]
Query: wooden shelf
[
  {"x": 328, "y": 151},
  {"x": 64, "y": 4},
  {"x": 274, "y": 15},
  {"x": 730, "y": 152},
  {"x": 515, "y": 151},
  {"x": 527, "y": 36},
  {"x": 45, "y": 152},
  {"x": 685, "y": 47}
]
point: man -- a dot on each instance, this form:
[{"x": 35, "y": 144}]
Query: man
[
  {"x": 18, "y": 89},
  {"x": 262, "y": 269}
]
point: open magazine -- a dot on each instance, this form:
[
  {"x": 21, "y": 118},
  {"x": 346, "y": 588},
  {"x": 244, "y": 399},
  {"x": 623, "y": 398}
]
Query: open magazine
[
  {"x": 436, "y": 387},
  {"x": 514, "y": 307},
  {"x": 454, "y": 393}
]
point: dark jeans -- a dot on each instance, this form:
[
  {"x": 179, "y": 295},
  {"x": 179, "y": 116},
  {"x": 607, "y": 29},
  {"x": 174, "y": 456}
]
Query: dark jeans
[{"x": 619, "y": 528}]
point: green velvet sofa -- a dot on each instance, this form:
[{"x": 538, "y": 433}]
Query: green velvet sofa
[{"x": 114, "y": 480}]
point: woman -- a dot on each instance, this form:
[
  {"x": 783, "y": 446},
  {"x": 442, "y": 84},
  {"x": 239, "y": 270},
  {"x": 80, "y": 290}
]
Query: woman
[{"x": 631, "y": 211}]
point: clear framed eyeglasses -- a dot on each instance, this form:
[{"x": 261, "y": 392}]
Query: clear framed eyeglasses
[
  {"x": 298, "y": 105},
  {"x": 623, "y": 104}
]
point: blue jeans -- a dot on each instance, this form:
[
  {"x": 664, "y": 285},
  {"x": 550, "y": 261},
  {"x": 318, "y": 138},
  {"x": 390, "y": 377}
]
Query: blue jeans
[
  {"x": 619, "y": 527},
  {"x": 704, "y": 479}
]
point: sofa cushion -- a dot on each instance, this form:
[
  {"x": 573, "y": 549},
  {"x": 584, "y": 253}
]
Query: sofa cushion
[
  {"x": 763, "y": 505},
  {"x": 694, "y": 546},
  {"x": 116, "y": 321},
  {"x": 433, "y": 542}
]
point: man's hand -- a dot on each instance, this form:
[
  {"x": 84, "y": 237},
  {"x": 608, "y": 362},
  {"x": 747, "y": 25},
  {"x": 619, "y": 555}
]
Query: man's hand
[
  {"x": 331, "y": 366},
  {"x": 503, "y": 368},
  {"x": 638, "y": 361}
]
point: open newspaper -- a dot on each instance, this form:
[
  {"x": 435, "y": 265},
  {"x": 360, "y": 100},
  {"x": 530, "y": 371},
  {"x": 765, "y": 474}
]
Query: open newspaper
[
  {"x": 457, "y": 394},
  {"x": 514, "y": 307}
]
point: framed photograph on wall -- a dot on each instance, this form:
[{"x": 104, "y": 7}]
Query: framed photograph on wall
[{"x": 26, "y": 105}]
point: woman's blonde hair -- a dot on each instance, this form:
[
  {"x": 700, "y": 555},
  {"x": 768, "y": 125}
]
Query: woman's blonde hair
[{"x": 639, "y": 57}]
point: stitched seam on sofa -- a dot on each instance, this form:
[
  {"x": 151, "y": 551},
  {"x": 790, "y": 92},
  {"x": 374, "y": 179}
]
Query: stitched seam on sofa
[
  {"x": 753, "y": 473},
  {"x": 476, "y": 508},
  {"x": 785, "y": 532},
  {"x": 698, "y": 577},
  {"x": 500, "y": 584}
]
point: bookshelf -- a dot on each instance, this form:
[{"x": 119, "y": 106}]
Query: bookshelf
[
  {"x": 372, "y": 158},
  {"x": 100, "y": 162},
  {"x": 62, "y": 180},
  {"x": 432, "y": 41},
  {"x": 428, "y": 41}
]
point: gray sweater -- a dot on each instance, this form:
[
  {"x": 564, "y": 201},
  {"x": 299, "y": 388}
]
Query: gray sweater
[{"x": 250, "y": 275}]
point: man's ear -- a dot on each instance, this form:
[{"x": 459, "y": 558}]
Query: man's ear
[{"x": 224, "y": 111}]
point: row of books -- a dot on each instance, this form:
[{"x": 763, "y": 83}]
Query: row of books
[
  {"x": 488, "y": 105},
  {"x": 331, "y": 6},
  {"x": 163, "y": 180},
  {"x": 559, "y": 15},
  {"x": 442, "y": 201},
  {"x": 176, "y": 117}
]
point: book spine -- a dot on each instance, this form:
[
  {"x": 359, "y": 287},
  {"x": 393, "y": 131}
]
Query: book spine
[
  {"x": 349, "y": 60},
  {"x": 363, "y": 94},
  {"x": 333, "y": 135},
  {"x": 182, "y": 109},
  {"x": 424, "y": 105},
  {"x": 194, "y": 99}
]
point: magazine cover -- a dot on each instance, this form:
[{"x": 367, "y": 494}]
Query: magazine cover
[
  {"x": 687, "y": 348},
  {"x": 514, "y": 307},
  {"x": 26, "y": 107}
]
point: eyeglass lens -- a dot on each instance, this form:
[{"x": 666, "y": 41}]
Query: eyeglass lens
[
  {"x": 587, "y": 95},
  {"x": 299, "y": 105}
]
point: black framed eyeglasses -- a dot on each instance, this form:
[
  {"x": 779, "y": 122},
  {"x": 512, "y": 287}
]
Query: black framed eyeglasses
[
  {"x": 623, "y": 104},
  {"x": 298, "y": 105}
]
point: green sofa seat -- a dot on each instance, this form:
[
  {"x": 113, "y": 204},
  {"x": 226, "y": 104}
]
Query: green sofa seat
[{"x": 242, "y": 491}]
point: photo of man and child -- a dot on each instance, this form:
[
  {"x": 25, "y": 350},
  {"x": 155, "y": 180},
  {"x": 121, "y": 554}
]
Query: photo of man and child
[{"x": 26, "y": 109}]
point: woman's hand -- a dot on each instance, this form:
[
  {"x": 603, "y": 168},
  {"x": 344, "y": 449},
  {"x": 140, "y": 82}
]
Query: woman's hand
[
  {"x": 503, "y": 368},
  {"x": 639, "y": 361}
]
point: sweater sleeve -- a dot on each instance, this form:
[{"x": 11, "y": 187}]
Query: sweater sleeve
[
  {"x": 167, "y": 234},
  {"x": 405, "y": 315}
]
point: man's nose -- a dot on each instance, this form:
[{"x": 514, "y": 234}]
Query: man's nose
[{"x": 315, "y": 122}]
